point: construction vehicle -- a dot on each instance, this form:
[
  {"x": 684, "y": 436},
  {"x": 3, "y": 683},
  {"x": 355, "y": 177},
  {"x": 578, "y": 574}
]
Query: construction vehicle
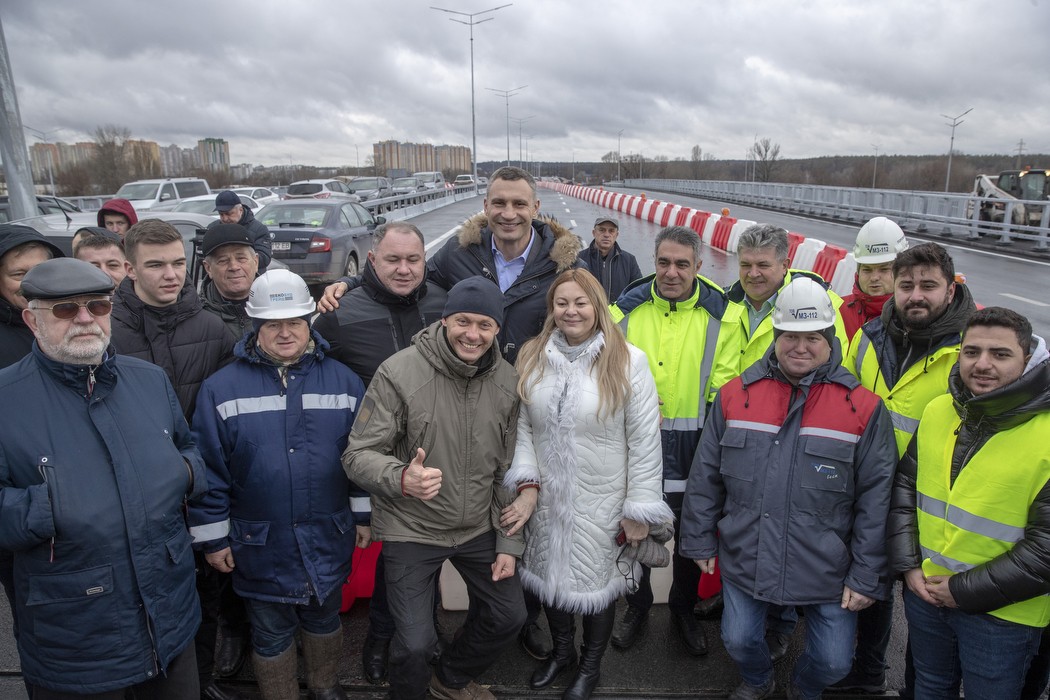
[{"x": 1028, "y": 185}]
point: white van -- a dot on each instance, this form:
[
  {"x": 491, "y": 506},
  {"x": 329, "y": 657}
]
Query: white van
[
  {"x": 433, "y": 180},
  {"x": 147, "y": 194}
]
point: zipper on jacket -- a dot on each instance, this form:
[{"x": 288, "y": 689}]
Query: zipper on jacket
[{"x": 43, "y": 475}]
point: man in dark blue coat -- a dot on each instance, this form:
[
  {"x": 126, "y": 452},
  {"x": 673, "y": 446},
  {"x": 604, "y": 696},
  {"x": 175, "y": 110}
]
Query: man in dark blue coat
[
  {"x": 96, "y": 465},
  {"x": 611, "y": 265}
]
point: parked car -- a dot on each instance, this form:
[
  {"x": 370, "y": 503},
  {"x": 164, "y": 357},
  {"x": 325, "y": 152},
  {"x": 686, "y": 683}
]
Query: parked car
[
  {"x": 57, "y": 229},
  {"x": 320, "y": 240},
  {"x": 261, "y": 195},
  {"x": 206, "y": 205},
  {"x": 407, "y": 185},
  {"x": 45, "y": 204},
  {"x": 320, "y": 189},
  {"x": 370, "y": 187},
  {"x": 433, "y": 180},
  {"x": 146, "y": 194}
]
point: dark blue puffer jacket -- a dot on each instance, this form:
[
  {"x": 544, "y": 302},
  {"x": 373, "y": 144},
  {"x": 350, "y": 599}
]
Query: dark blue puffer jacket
[
  {"x": 91, "y": 504},
  {"x": 278, "y": 495}
]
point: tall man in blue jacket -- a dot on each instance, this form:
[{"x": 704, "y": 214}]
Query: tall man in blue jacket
[
  {"x": 790, "y": 491},
  {"x": 96, "y": 464}
]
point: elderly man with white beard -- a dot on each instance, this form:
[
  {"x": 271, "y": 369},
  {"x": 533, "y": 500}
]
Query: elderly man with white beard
[{"x": 97, "y": 462}]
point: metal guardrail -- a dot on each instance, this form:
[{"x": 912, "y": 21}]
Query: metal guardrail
[{"x": 942, "y": 213}]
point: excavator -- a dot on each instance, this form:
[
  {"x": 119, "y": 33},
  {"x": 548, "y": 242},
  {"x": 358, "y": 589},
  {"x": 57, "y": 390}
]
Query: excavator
[{"x": 1028, "y": 185}]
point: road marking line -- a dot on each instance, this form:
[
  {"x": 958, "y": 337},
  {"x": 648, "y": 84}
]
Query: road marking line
[
  {"x": 1024, "y": 299},
  {"x": 441, "y": 239},
  {"x": 572, "y": 224},
  {"x": 567, "y": 210}
]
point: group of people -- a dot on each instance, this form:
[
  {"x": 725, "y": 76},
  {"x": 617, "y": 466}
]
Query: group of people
[{"x": 543, "y": 417}]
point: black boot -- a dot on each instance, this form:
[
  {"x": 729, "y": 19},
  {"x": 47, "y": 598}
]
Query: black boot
[
  {"x": 563, "y": 633},
  {"x": 597, "y": 629}
]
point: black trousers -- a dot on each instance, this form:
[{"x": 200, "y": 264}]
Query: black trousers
[{"x": 497, "y": 614}]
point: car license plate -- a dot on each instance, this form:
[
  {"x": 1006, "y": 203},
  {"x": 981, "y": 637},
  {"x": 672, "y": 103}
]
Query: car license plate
[{"x": 281, "y": 245}]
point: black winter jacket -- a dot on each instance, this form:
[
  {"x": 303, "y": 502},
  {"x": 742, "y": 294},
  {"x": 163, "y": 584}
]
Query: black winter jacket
[
  {"x": 16, "y": 340},
  {"x": 188, "y": 343},
  {"x": 615, "y": 271},
  {"x": 554, "y": 250},
  {"x": 1024, "y": 571},
  {"x": 232, "y": 313},
  {"x": 260, "y": 237},
  {"x": 372, "y": 323}
]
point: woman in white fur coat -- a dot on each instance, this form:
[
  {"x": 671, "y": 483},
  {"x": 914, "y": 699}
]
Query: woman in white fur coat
[{"x": 588, "y": 459}]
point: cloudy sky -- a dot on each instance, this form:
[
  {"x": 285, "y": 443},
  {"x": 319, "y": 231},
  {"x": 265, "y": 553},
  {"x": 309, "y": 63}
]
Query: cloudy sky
[{"x": 307, "y": 81}]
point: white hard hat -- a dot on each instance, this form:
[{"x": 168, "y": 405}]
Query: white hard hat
[
  {"x": 803, "y": 306},
  {"x": 879, "y": 241},
  {"x": 279, "y": 294}
]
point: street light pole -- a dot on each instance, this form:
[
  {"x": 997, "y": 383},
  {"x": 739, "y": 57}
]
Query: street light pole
[
  {"x": 507, "y": 94},
  {"x": 521, "y": 121},
  {"x": 875, "y": 169},
  {"x": 618, "y": 154},
  {"x": 955, "y": 121},
  {"x": 473, "y": 119}
]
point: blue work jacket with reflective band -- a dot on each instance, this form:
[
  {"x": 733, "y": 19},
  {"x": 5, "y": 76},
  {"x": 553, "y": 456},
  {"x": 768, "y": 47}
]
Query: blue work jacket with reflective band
[
  {"x": 984, "y": 513},
  {"x": 272, "y": 439},
  {"x": 691, "y": 355}
]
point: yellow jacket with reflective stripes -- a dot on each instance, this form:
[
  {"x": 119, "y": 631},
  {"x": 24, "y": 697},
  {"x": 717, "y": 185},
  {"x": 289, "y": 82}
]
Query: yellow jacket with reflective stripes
[
  {"x": 753, "y": 347},
  {"x": 908, "y": 397},
  {"x": 984, "y": 513},
  {"x": 691, "y": 355}
]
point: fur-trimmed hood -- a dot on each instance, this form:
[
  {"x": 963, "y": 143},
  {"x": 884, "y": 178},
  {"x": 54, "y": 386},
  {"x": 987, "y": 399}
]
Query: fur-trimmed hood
[{"x": 564, "y": 250}]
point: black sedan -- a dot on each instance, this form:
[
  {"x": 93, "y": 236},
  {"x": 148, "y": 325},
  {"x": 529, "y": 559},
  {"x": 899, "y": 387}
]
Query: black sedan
[{"x": 320, "y": 240}]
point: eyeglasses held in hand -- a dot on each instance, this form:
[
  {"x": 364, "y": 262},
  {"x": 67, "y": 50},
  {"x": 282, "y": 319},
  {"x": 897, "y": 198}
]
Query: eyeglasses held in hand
[{"x": 69, "y": 309}]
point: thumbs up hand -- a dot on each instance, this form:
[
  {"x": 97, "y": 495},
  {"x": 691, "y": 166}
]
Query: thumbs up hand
[{"x": 420, "y": 481}]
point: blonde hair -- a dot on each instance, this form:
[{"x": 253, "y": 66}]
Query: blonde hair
[{"x": 612, "y": 365}]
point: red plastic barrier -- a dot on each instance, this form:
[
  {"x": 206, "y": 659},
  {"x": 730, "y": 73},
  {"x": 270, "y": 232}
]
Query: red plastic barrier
[
  {"x": 794, "y": 241},
  {"x": 827, "y": 260},
  {"x": 700, "y": 221},
  {"x": 683, "y": 216},
  {"x": 625, "y": 204},
  {"x": 362, "y": 575},
  {"x": 652, "y": 211},
  {"x": 667, "y": 214},
  {"x": 720, "y": 237}
]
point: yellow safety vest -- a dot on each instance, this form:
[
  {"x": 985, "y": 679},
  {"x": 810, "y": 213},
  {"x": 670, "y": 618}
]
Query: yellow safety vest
[
  {"x": 922, "y": 382},
  {"x": 753, "y": 347},
  {"x": 984, "y": 514}
]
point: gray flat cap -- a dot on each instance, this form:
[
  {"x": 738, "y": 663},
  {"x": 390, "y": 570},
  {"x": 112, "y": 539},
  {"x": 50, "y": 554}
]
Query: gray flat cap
[
  {"x": 606, "y": 219},
  {"x": 62, "y": 278}
]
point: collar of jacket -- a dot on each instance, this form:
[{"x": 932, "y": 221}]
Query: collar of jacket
[
  {"x": 76, "y": 376},
  {"x": 557, "y": 243},
  {"x": 1010, "y": 405},
  {"x": 210, "y": 295},
  {"x": 131, "y": 310},
  {"x": 947, "y": 329},
  {"x": 706, "y": 294},
  {"x": 433, "y": 346},
  {"x": 872, "y": 304},
  {"x": 375, "y": 289}
]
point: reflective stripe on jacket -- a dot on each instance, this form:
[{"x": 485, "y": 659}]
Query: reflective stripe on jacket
[
  {"x": 984, "y": 513},
  {"x": 691, "y": 355},
  {"x": 908, "y": 397}
]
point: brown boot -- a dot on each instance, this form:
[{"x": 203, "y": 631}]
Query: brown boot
[
  {"x": 321, "y": 655},
  {"x": 277, "y": 675}
]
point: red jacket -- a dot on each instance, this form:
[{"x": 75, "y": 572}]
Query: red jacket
[{"x": 859, "y": 308}]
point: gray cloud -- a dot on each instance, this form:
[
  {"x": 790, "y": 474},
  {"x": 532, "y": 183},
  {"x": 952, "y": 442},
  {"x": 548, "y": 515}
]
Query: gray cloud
[{"x": 308, "y": 81}]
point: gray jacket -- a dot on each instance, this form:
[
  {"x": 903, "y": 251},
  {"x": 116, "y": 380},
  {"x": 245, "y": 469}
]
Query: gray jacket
[
  {"x": 790, "y": 486},
  {"x": 464, "y": 417}
]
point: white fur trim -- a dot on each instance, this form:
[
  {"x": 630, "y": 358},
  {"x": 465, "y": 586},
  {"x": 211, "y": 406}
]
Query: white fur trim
[
  {"x": 577, "y": 603},
  {"x": 651, "y": 513},
  {"x": 519, "y": 473}
]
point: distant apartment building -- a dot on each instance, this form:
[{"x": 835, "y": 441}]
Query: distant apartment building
[
  {"x": 59, "y": 156},
  {"x": 176, "y": 161},
  {"x": 214, "y": 154},
  {"x": 419, "y": 157}
]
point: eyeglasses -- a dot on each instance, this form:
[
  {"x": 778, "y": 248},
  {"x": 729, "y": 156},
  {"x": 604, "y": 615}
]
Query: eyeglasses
[{"x": 67, "y": 310}]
